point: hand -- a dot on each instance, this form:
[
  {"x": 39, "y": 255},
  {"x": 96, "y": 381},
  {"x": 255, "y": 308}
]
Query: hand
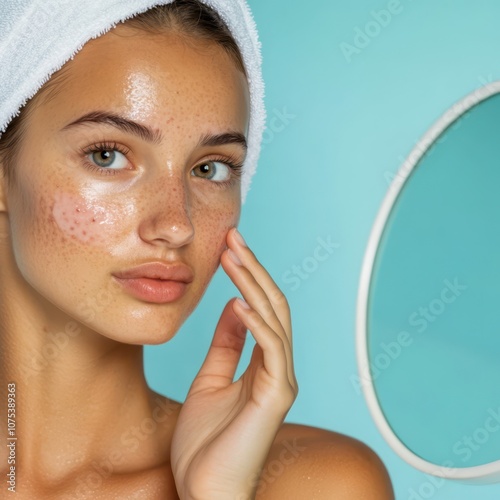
[{"x": 225, "y": 429}]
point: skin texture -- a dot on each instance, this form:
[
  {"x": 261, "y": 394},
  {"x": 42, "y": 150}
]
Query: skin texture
[
  {"x": 72, "y": 337},
  {"x": 114, "y": 222}
]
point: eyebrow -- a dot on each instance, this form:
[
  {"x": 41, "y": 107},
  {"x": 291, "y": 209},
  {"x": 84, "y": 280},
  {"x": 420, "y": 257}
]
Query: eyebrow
[
  {"x": 153, "y": 135},
  {"x": 222, "y": 139},
  {"x": 146, "y": 133}
]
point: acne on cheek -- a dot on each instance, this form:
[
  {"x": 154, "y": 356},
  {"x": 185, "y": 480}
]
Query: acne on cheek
[
  {"x": 83, "y": 220},
  {"x": 94, "y": 223}
]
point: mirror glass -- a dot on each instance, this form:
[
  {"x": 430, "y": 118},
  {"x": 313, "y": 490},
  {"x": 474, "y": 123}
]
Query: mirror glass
[{"x": 430, "y": 329}]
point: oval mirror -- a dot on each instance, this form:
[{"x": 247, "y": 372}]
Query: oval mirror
[{"x": 428, "y": 335}]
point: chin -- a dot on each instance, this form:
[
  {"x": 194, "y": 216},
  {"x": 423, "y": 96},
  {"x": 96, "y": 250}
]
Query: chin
[
  {"x": 130, "y": 324},
  {"x": 144, "y": 336},
  {"x": 127, "y": 320}
]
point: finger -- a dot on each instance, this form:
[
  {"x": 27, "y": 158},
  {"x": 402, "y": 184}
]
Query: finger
[
  {"x": 273, "y": 348},
  {"x": 262, "y": 293},
  {"x": 253, "y": 293},
  {"x": 221, "y": 361},
  {"x": 273, "y": 293},
  {"x": 258, "y": 300}
]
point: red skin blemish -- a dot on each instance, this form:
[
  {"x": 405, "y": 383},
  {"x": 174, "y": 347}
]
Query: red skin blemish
[{"x": 85, "y": 215}]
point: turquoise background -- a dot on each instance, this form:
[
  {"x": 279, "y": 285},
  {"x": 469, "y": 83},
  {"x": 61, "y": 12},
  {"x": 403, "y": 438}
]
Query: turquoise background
[
  {"x": 338, "y": 131},
  {"x": 433, "y": 308}
]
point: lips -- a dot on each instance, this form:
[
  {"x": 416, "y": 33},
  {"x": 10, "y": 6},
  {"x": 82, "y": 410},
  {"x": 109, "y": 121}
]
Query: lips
[
  {"x": 159, "y": 271},
  {"x": 156, "y": 282}
]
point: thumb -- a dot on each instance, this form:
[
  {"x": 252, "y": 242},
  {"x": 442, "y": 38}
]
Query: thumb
[{"x": 224, "y": 353}]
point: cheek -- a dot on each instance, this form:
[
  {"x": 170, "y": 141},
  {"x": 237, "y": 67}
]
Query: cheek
[
  {"x": 51, "y": 228},
  {"x": 43, "y": 223},
  {"x": 86, "y": 220},
  {"x": 212, "y": 233}
]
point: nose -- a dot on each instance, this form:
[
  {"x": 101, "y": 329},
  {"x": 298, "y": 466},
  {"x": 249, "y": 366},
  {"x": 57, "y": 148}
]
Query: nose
[{"x": 167, "y": 215}]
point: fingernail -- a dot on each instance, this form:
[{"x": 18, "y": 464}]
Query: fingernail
[
  {"x": 234, "y": 257},
  {"x": 239, "y": 238},
  {"x": 242, "y": 303}
]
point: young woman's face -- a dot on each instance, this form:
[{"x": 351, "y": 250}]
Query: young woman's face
[{"x": 102, "y": 196}]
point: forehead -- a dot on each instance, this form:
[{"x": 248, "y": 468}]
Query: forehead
[{"x": 158, "y": 79}]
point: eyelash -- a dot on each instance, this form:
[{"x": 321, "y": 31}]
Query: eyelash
[
  {"x": 235, "y": 165},
  {"x": 99, "y": 147}
]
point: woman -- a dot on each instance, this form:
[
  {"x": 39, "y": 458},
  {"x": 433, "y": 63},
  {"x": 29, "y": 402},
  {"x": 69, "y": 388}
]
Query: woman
[{"x": 122, "y": 184}]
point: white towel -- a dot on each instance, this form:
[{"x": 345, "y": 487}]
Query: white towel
[{"x": 38, "y": 36}]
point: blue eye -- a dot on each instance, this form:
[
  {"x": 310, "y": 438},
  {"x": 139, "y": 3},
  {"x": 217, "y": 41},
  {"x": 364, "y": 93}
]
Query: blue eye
[
  {"x": 214, "y": 171},
  {"x": 108, "y": 158}
]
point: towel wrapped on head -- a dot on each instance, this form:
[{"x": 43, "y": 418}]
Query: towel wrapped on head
[{"x": 37, "y": 37}]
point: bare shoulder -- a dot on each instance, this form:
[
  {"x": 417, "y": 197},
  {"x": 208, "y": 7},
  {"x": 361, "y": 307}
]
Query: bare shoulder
[{"x": 318, "y": 464}]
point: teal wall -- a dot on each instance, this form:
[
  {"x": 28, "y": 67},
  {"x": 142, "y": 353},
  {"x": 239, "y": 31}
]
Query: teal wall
[{"x": 340, "y": 123}]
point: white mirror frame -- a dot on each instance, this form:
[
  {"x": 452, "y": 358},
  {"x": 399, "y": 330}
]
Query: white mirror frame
[{"x": 488, "y": 473}]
